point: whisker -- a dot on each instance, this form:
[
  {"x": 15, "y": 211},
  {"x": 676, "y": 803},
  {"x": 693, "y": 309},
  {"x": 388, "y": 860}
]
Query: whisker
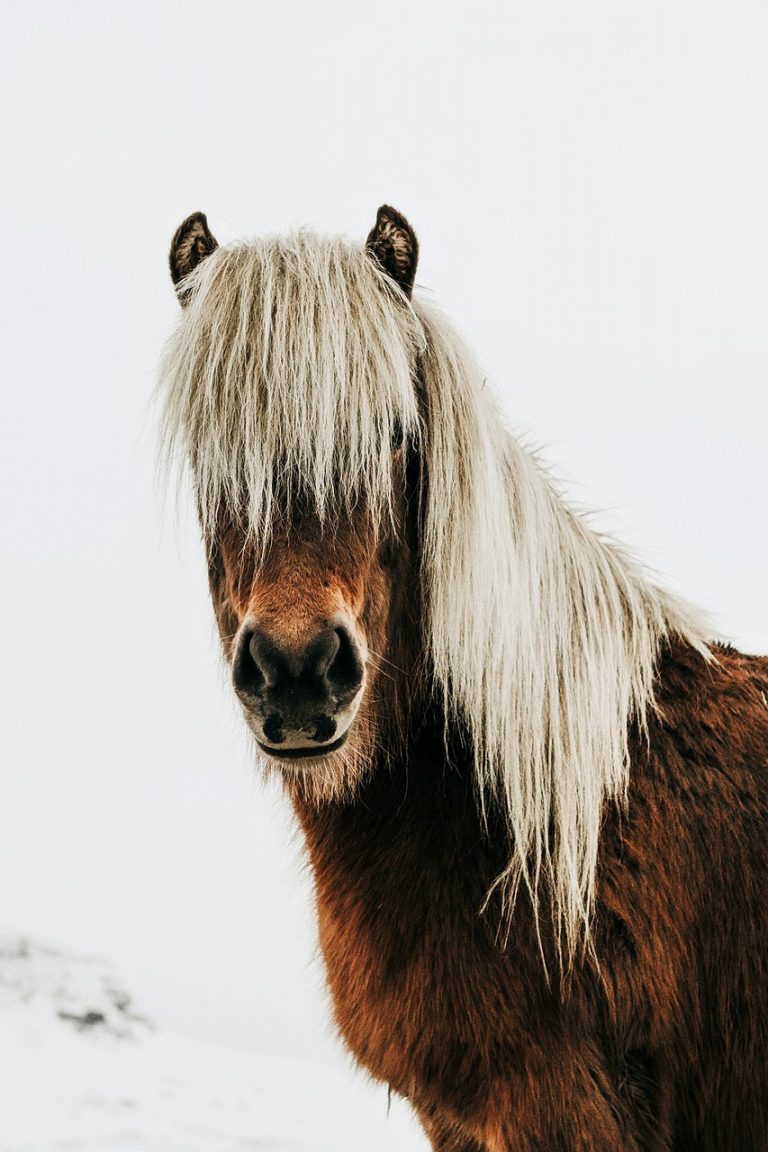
[{"x": 385, "y": 660}]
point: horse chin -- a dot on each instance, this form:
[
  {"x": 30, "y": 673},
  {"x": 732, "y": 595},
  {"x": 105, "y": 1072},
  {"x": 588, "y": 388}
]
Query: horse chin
[{"x": 321, "y": 776}]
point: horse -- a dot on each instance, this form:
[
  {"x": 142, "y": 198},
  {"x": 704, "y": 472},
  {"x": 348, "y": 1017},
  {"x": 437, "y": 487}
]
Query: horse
[{"x": 532, "y": 788}]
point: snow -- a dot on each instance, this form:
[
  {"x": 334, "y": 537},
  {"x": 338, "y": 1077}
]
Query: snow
[{"x": 82, "y": 1069}]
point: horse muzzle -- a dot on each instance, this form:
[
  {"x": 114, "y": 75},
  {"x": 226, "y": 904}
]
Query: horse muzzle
[{"x": 300, "y": 699}]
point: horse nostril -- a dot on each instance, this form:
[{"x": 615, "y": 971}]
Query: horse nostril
[
  {"x": 255, "y": 664},
  {"x": 344, "y": 673},
  {"x": 246, "y": 674}
]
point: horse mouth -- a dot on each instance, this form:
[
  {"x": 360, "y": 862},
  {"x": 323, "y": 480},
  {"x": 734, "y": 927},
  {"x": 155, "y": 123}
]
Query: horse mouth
[{"x": 318, "y": 752}]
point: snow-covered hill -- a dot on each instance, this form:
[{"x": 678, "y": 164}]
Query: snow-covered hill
[{"x": 81, "y": 1069}]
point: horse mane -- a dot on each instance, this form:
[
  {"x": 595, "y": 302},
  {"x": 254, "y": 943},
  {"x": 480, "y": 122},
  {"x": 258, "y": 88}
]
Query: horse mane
[{"x": 292, "y": 365}]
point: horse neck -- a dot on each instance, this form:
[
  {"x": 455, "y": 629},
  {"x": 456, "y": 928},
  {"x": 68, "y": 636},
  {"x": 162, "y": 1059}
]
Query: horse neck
[{"x": 413, "y": 830}]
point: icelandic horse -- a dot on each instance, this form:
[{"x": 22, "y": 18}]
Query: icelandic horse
[{"x": 533, "y": 792}]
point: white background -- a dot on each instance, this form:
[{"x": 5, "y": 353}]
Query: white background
[{"x": 590, "y": 186}]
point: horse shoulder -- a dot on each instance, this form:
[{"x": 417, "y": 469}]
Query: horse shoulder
[{"x": 681, "y": 920}]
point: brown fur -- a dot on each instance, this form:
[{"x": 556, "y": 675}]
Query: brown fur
[
  {"x": 658, "y": 1041},
  {"x": 664, "y": 1045}
]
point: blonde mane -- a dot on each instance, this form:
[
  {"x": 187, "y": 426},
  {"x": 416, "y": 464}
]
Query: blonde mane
[{"x": 294, "y": 361}]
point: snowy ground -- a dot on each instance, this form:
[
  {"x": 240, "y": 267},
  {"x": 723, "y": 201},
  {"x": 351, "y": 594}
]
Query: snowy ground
[{"x": 81, "y": 1069}]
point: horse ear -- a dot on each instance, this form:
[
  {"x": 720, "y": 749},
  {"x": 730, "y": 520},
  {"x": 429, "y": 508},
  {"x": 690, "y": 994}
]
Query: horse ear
[
  {"x": 192, "y": 242},
  {"x": 393, "y": 242}
]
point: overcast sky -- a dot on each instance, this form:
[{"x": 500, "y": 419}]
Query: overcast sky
[{"x": 589, "y": 184}]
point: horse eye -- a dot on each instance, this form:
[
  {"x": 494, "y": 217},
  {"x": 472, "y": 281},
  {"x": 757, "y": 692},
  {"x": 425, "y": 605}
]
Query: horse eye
[{"x": 396, "y": 441}]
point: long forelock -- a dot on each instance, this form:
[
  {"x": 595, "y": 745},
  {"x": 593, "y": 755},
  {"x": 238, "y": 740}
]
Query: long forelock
[{"x": 289, "y": 374}]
